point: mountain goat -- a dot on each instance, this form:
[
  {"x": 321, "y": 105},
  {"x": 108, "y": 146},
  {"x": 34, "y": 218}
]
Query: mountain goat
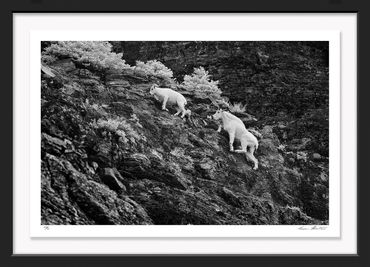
[
  {"x": 230, "y": 116},
  {"x": 236, "y": 129},
  {"x": 167, "y": 95}
]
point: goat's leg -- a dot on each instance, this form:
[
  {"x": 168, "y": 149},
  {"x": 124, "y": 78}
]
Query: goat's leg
[
  {"x": 250, "y": 155},
  {"x": 164, "y": 103},
  {"x": 187, "y": 112},
  {"x": 178, "y": 112},
  {"x": 231, "y": 140},
  {"x": 244, "y": 145},
  {"x": 183, "y": 112},
  {"x": 219, "y": 128},
  {"x": 254, "y": 158}
]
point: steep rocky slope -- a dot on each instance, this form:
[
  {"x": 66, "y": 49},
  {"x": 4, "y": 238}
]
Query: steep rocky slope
[
  {"x": 110, "y": 155},
  {"x": 280, "y": 82}
]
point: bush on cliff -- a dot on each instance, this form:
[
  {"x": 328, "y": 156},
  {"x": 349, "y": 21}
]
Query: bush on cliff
[
  {"x": 237, "y": 108},
  {"x": 154, "y": 68},
  {"x": 118, "y": 126},
  {"x": 97, "y": 54},
  {"x": 200, "y": 84}
]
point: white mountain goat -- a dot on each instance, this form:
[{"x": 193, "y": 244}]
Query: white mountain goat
[
  {"x": 167, "y": 95},
  {"x": 230, "y": 116},
  {"x": 236, "y": 129}
]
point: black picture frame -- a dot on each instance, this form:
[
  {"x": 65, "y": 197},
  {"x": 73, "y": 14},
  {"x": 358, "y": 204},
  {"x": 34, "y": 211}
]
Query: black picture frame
[{"x": 262, "y": 6}]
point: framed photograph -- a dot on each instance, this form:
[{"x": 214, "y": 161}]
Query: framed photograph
[{"x": 185, "y": 134}]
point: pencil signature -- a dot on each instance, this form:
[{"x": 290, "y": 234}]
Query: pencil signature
[{"x": 312, "y": 227}]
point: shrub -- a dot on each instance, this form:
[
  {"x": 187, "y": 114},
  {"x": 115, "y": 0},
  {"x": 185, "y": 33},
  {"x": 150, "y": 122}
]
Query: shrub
[
  {"x": 110, "y": 125},
  {"x": 47, "y": 59},
  {"x": 89, "y": 82},
  {"x": 95, "y": 53},
  {"x": 120, "y": 127},
  {"x": 237, "y": 108},
  {"x": 95, "y": 110},
  {"x": 154, "y": 68},
  {"x": 135, "y": 120},
  {"x": 200, "y": 84}
]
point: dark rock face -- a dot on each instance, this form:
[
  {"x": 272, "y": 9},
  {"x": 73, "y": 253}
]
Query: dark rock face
[
  {"x": 71, "y": 197},
  {"x": 156, "y": 168},
  {"x": 109, "y": 177}
]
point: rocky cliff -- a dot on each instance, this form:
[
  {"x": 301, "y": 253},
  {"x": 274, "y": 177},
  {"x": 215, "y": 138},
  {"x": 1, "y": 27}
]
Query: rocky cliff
[{"x": 110, "y": 155}]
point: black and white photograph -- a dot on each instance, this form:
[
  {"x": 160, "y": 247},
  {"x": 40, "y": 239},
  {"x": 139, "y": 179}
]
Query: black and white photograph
[{"x": 185, "y": 133}]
